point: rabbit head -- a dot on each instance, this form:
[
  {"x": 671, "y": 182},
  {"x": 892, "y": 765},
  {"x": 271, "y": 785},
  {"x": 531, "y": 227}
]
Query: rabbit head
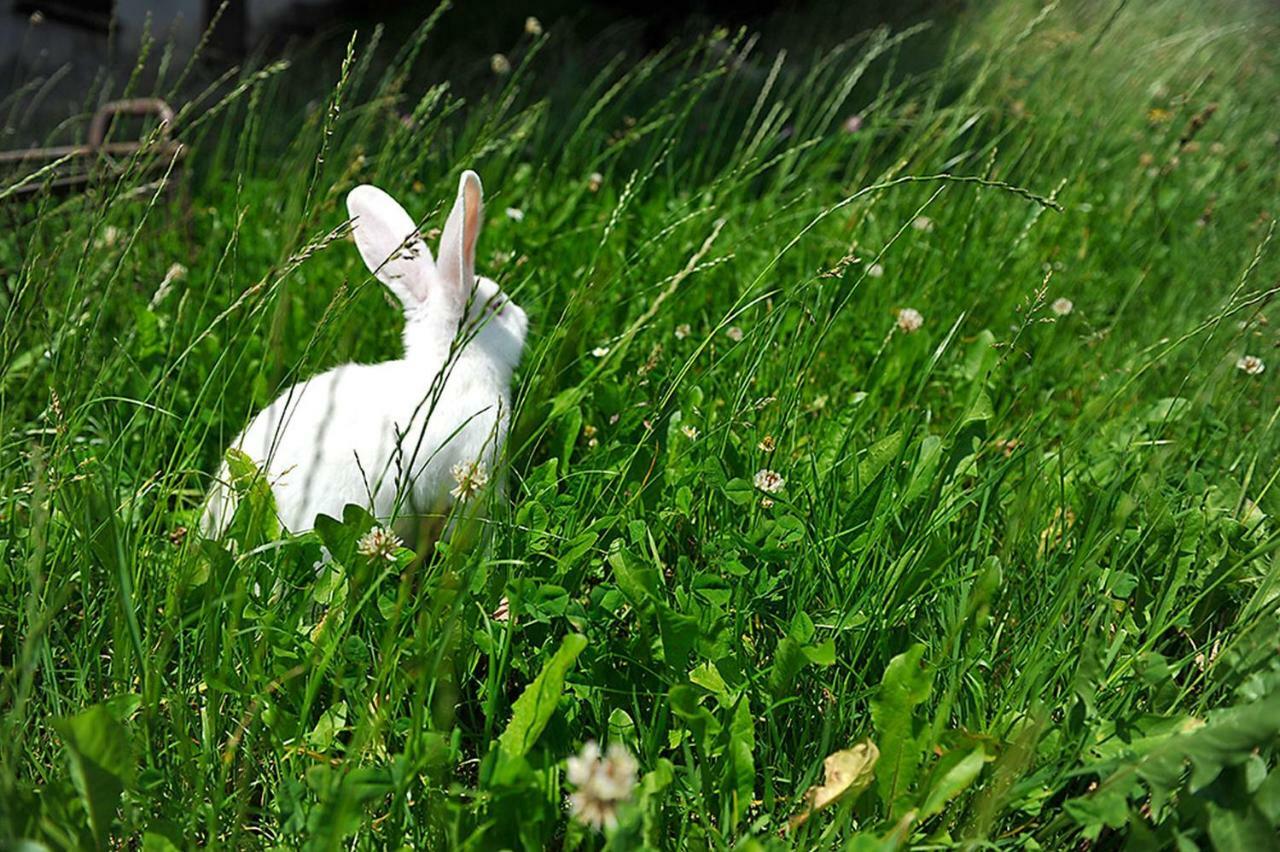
[{"x": 443, "y": 298}]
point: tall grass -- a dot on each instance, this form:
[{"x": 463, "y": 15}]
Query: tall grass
[{"x": 1027, "y": 550}]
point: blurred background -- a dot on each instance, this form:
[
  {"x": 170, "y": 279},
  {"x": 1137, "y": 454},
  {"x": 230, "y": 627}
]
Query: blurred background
[{"x": 61, "y": 58}]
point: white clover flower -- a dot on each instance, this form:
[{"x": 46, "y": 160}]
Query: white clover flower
[
  {"x": 683, "y": 330},
  {"x": 600, "y": 351},
  {"x": 767, "y": 444},
  {"x": 379, "y": 543},
  {"x": 875, "y": 270},
  {"x": 470, "y": 478},
  {"x": 922, "y": 223},
  {"x": 500, "y": 64},
  {"x": 909, "y": 320},
  {"x": 602, "y": 784},
  {"x": 852, "y": 124},
  {"x": 515, "y": 214},
  {"x": 1062, "y": 306},
  {"x": 1250, "y": 365},
  {"x": 110, "y": 236},
  {"x": 769, "y": 481},
  {"x": 734, "y": 333},
  {"x": 594, "y": 181},
  {"x": 532, "y": 26}
]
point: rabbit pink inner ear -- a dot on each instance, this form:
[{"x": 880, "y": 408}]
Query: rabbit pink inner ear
[
  {"x": 470, "y": 190},
  {"x": 390, "y": 244},
  {"x": 461, "y": 232}
]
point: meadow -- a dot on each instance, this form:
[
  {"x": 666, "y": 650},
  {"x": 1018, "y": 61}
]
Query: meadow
[{"x": 894, "y": 463}]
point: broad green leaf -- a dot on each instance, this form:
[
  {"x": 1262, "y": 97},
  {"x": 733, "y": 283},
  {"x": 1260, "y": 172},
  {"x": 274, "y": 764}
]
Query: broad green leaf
[
  {"x": 1088, "y": 674},
  {"x": 342, "y": 538},
  {"x": 679, "y": 634},
  {"x": 568, "y": 425},
  {"x": 254, "y": 520},
  {"x": 533, "y": 709},
  {"x": 1168, "y": 410},
  {"x": 822, "y": 654},
  {"x": 954, "y": 781},
  {"x": 985, "y": 587},
  {"x": 622, "y": 728},
  {"x": 154, "y": 841},
  {"x": 878, "y": 455},
  {"x": 866, "y": 842},
  {"x": 102, "y": 763},
  {"x": 1107, "y": 808},
  {"x": 708, "y": 677},
  {"x": 795, "y": 652},
  {"x": 802, "y": 628},
  {"x": 575, "y": 548},
  {"x": 331, "y": 723},
  {"x": 684, "y": 703},
  {"x": 640, "y": 583},
  {"x": 741, "y": 768},
  {"x": 905, "y": 686},
  {"x": 1228, "y": 739},
  {"x": 788, "y": 660},
  {"x": 926, "y": 468},
  {"x": 648, "y": 797},
  {"x": 1267, "y": 797},
  {"x": 981, "y": 357},
  {"x": 979, "y": 410},
  {"x": 740, "y": 492},
  {"x": 1240, "y": 830}
]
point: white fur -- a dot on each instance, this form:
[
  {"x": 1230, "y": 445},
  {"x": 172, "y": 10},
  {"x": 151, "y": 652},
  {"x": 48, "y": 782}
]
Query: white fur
[{"x": 387, "y": 436}]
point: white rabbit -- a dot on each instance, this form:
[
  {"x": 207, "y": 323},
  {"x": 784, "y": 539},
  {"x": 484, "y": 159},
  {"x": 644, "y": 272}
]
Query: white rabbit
[{"x": 403, "y": 438}]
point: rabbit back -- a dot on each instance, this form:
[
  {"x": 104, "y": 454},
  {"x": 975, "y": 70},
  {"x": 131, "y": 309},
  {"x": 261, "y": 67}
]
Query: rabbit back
[{"x": 354, "y": 435}]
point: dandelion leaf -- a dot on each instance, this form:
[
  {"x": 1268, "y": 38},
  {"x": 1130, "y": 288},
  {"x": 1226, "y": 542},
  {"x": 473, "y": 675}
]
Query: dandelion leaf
[
  {"x": 533, "y": 709},
  {"x": 905, "y": 686}
]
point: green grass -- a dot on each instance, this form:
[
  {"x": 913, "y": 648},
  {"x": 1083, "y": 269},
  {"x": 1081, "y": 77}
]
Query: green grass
[{"x": 1032, "y": 558}]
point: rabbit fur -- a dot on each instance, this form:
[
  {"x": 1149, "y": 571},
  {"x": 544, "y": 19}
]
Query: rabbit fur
[{"x": 405, "y": 438}]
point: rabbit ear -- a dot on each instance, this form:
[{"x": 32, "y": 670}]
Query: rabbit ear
[
  {"x": 390, "y": 244},
  {"x": 457, "y": 266}
]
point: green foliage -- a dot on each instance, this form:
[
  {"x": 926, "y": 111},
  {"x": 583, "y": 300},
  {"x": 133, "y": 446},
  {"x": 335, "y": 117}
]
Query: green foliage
[
  {"x": 1012, "y": 581},
  {"x": 1183, "y": 779},
  {"x": 905, "y": 686},
  {"x": 532, "y": 710},
  {"x": 102, "y": 763}
]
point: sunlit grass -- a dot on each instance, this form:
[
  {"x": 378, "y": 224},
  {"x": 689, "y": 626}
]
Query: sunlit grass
[{"x": 1004, "y": 539}]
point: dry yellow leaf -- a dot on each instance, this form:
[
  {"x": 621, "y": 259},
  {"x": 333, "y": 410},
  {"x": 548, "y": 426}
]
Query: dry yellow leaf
[{"x": 846, "y": 773}]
